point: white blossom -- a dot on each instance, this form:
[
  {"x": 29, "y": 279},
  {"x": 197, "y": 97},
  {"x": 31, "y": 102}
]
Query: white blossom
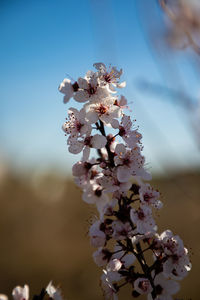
[
  {"x": 143, "y": 286},
  {"x": 114, "y": 265},
  {"x": 76, "y": 146},
  {"x": 76, "y": 124},
  {"x": 111, "y": 183},
  {"x": 143, "y": 219},
  {"x": 149, "y": 196},
  {"x": 128, "y": 162},
  {"x": 121, "y": 230},
  {"x": 21, "y": 293},
  {"x": 97, "y": 236},
  {"x": 127, "y": 259},
  {"x": 177, "y": 266},
  {"x": 131, "y": 137},
  {"x": 107, "y": 280},
  {"x": 109, "y": 77},
  {"x": 53, "y": 292},
  {"x": 103, "y": 110},
  {"x": 89, "y": 89},
  {"x": 165, "y": 288},
  {"x": 67, "y": 89},
  {"x": 101, "y": 256}
]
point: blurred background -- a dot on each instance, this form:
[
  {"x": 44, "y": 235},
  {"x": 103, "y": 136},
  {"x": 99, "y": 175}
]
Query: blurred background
[{"x": 44, "y": 222}]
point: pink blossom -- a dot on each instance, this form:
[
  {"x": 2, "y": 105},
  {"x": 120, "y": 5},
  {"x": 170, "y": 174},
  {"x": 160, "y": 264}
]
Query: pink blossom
[
  {"x": 143, "y": 286},
  {"x": 149, "y": 196},
  {"x": 97, "y": 236},
  {"x": 165, "y": 288},
  {"x": 142, "y": 218},
  {"x": 109, "y": 77},
  {"x": 76, "y": 124},
  {"x": 21, "y": 293},
  {"x": 67, "y": 89}
]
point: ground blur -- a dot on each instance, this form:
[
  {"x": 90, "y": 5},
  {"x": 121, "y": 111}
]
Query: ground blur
[{"x": 44, "y": 225}]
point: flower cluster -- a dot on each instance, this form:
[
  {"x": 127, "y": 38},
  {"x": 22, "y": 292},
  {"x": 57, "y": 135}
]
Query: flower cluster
[{"x": 116, "y": 182}]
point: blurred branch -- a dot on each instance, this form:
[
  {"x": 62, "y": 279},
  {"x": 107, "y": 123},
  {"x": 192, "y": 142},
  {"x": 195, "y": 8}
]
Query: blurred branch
[
  {"x": 187, "y": 102},
  {"x": 180, "y": 98}
]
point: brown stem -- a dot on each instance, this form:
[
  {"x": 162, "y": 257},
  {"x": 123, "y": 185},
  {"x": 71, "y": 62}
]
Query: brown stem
[
  {"x": 110, "y": 154},
  {"x": 146, "y": 269}
]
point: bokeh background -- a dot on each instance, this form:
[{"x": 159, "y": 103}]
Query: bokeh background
[{"x": 44, "y": 222}]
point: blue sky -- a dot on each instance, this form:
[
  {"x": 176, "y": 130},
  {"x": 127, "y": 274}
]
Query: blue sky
[{"x": 44, "y": 40}]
